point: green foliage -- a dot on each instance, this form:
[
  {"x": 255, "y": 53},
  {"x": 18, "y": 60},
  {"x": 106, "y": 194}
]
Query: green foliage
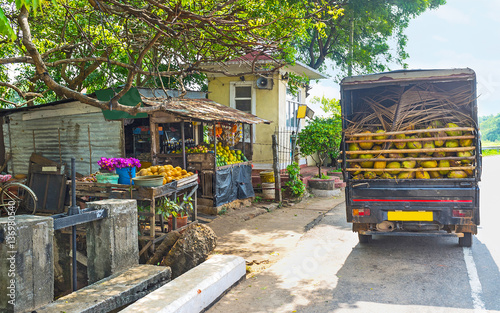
[
  {"x": 177, "y": 207},
  {"x": 91, "y": 45},
  {"x": 321, "y": 138},
  {"x": 374, "y": 24},
  {"x": 295, "y": 185},
  {"x": 490, "y": 128},
  {"x": 328, "y": 105},
  {"x": 490, "y": 152}
]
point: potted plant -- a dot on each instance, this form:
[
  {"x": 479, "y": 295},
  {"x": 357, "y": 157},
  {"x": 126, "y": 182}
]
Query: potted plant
[{"x": 177, "y": 208}]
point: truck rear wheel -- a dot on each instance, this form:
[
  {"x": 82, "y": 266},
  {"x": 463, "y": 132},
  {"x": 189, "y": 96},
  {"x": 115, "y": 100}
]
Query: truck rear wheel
[
  {"x": 466, "y": 240},
  {"x": 364, "y": 238}
]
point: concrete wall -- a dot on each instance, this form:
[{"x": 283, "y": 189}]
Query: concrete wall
[
  {"x": 27, "y": 266},
  {"x": 270, "y": 105}
]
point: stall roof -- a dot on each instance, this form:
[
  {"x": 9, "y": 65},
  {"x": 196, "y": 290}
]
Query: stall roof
[{"x": 207, "y": 110}]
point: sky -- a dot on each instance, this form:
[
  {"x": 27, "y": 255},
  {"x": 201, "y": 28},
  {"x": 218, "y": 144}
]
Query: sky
[{"x": 456, "y": 35}]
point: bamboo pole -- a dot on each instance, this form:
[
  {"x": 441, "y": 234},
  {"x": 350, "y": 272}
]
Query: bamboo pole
[
  {"x": 349, "y": 169},
  {"x": 412, "y": 139},
  {"x": 457, "y": 149},
  {"x": 413, "y": 131},
  {"x": 472, "y": 158}
]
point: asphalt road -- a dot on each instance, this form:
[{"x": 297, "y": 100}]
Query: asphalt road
[{"x": 330, "y": 271}]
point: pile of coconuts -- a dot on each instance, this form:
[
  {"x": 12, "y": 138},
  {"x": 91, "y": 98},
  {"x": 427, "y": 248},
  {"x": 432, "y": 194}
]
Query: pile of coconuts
[{"x": 398, "y": 167}]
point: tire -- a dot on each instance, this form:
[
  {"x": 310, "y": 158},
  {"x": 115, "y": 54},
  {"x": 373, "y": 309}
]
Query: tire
[
  {"x": 364, "y": 238},
  {"x": 18, "y": 198},
  {"x": 466, "y": 240}
]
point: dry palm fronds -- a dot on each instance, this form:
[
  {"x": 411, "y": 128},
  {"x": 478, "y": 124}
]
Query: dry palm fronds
[{"x": 396, "y": 108}]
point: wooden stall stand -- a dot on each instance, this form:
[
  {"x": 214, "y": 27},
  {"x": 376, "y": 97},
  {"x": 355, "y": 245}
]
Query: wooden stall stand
[{"x": 186, "y": 185}]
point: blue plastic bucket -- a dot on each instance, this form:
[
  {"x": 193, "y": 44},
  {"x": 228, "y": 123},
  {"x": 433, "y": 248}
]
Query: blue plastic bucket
[{"x": 125, "y": 175}]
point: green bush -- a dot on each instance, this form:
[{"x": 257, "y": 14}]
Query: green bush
[{"x": 295, "y": 185}]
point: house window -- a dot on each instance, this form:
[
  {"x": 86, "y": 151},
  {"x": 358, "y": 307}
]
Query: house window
[
  {"x": 242, "y": 98},
  {"x": 292, "y": 104}
]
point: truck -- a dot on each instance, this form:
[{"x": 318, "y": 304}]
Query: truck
[{"x": 411, "y": 153}]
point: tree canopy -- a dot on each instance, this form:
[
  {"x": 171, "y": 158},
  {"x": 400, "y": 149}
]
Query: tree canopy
[
  {"x": 70, "y": 48},
  {"x": 373, "y": 25},
  {"x": 320, "y": 139},
  {"x": 490, "y": 127}
]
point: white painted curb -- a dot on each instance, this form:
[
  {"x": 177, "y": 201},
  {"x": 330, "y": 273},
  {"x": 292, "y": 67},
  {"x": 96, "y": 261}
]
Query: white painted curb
[{"x": 195, "y": 290}]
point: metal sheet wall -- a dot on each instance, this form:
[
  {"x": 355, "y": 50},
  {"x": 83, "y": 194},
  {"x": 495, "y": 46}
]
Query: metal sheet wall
[{"x": 42, "y": 135}]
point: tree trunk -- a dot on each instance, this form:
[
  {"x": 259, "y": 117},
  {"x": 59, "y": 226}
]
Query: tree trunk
[{"x": 164, "y": 247}]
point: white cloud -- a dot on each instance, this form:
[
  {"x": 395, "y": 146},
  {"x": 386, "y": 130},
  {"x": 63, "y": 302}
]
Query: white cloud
[
  {"x": 440, "y": 38},
  {"x": 452, "y": 15}
]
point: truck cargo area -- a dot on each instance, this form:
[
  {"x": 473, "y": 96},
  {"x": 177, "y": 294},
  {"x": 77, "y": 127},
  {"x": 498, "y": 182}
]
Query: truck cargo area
[{"x": 411, "y": 153}]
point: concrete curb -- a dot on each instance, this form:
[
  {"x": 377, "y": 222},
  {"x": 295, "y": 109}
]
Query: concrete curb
[
  {"x": 194, "y": 290},
  {"x": 112, "y": 292}
]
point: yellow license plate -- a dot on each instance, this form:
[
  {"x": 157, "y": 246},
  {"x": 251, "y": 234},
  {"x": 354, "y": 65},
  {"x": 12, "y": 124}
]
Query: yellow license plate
[{"x": 413, "y": 216}]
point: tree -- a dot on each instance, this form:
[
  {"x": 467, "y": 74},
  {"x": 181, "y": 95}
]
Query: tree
[
  {"x": 320, "y": 138},
  {"x": 330, "y": 106},
  {"x": 68, "y": 49},
  {"x": 371, "y": 25}
]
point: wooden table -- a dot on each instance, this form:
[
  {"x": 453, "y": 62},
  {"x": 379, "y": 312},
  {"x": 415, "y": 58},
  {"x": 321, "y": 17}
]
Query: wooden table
[{"x": 187, "y": 185}]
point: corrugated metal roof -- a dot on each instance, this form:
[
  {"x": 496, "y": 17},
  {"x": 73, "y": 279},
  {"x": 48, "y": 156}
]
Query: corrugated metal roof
[
  {"x": 159, "y": 93},
  {"x": 381, "y": 79},
  {"x": 207, "y": 110},
  {"x": 106, "y": 138}
]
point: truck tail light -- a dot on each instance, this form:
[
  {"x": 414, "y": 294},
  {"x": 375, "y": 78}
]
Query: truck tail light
[
  {"x": 361, "y": 212},
  {"x": 462, "y": 213}
]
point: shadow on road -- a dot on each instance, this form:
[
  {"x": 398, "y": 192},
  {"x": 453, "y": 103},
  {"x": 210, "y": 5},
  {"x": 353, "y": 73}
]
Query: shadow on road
[{"x": 403, "y": 271}]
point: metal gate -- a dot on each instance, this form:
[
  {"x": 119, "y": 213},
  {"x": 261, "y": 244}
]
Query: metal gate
[{"x": 286, "y": 139}]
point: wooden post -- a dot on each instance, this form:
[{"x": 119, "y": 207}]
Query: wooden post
[
  {"x": 153, "y": 130},
  {"x": 59, "y": 143},
  {"x": 183, "y": 138},
  {"x": 277, "y": 177},
  {"x": 214, "y": 177},
  {"x": 90, "y": 150},
  {"x": 243, "y": 140}
]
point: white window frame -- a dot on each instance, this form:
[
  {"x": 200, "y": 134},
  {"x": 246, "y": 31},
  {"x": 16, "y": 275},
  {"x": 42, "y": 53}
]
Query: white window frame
[
  {"x": 232, "y": 100},
  {"x": 295, "y": 102}
]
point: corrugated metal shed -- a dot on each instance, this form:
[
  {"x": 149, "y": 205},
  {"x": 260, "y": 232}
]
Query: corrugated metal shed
[
  {"x": 61, "y": 130},
  {"x": 206, "y": 110}
]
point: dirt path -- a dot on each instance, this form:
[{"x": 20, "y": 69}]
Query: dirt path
[{"x": 263, "y": 237}]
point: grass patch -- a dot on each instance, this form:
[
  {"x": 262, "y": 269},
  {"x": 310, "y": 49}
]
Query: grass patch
[{"x": 490, "y": 152}]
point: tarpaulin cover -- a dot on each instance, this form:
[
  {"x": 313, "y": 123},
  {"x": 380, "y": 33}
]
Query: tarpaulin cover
[
  {"x": 233, "y": 183},
  {"x": 130, "y": 98}
]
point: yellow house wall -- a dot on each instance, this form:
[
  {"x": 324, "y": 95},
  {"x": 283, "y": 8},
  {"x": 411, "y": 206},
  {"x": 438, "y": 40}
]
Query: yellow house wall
[{"x": 270, "y": 105}]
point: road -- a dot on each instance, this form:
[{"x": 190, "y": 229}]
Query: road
[{"x": 329, "y": 271}]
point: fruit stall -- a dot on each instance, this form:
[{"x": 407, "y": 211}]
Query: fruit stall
[
  {"x": 219, "y": 151},
  {"x": 164, "y": 194}
]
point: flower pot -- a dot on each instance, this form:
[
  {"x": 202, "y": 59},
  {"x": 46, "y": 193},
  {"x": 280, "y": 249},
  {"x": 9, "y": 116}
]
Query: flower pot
[
  {"x": 181, "y": 221},
  {"x": 107, "y": 178},
  {"x": 125, "y": 175},
  {"x": 323, "y": 187}
]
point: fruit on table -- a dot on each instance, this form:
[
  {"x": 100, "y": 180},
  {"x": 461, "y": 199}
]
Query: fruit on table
[
  {"x": 227, "y": 156},
  {"x": 197, "y": 149},
  {"x": 168, "y": 172}
]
